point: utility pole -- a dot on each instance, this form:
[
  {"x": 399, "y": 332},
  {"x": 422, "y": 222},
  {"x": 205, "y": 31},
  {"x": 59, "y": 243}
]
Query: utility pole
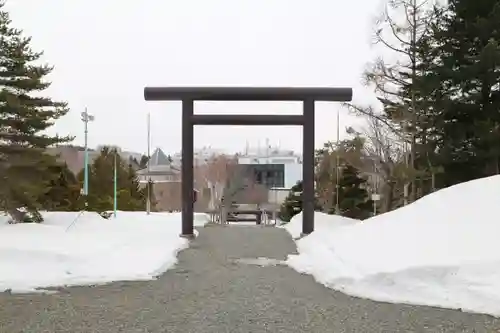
[
  {"x": 115, "y": 183},
  {"x": 86, "y": 118},
  {"x": 375, "y": 195},
  {"x": 148, "y": 202},
  {"x": 337, "y": 167}
]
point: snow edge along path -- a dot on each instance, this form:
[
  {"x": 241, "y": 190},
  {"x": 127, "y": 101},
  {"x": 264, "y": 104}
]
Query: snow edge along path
[
  {"x": 93, "y": 251},
  {"x": 421, "y": 254}
]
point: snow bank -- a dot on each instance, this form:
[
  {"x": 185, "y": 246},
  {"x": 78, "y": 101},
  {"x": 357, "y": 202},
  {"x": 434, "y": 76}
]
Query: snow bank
[
  {"x": 442, "y": 250},
  {"x": 90, "y": 250},
  {"x": 322, "y": 222},
  {"x": 4, "y": 218}
]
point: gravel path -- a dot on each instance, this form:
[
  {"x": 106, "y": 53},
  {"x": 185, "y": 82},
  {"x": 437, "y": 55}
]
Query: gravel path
[{"x": 210, "y": 292}]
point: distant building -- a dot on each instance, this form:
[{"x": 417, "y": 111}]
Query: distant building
[
  {"x": 160, "y": 169},
  {"x": 276, "y": 169},
  {"x": 200, "y": 157},
  {"x": 165, "y": 175}
]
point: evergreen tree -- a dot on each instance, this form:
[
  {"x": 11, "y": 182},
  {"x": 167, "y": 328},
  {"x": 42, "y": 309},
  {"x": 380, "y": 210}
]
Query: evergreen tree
[
  {"x": 133, "y": 196},
  {"x": 101, "y": 184},
  {"x": 292, "y": 204},
  {"x": 354, "y": 199},
  {"x": 24, "y": 116},
  {"x": 466, "y": 110},
  {"x": 63, "y": 192},
  {"x": 143, "y": 163}
]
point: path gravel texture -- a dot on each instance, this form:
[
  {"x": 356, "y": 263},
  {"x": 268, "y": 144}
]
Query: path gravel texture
[{"x": 210, "y": 291}]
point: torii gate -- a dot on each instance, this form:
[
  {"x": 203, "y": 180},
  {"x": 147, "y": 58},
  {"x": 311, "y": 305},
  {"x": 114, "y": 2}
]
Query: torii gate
[{"x": 190, "y": 94}]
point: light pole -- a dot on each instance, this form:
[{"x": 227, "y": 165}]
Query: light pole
[
  {"x": 337, "y": 167},
  {"x": 148, "y": 202},
  {"x": 86, "y": 118},
  {"x": 115, "y": 183}
]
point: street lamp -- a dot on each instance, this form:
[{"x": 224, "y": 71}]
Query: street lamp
[
  {"x": 86, "y": 118},
  {"x": 337, "y": 167},
  {"x": 148, "y": 200},
  {"x": 115, "y": 184}
]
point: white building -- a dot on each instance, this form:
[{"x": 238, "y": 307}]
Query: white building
[
  {"x": 200, "y": 156},
  {"x": 278, "y": 169}
]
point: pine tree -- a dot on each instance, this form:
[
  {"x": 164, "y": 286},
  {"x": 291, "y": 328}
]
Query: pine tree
[
  {"x": 24, "y": 116},
  {"x": 354, "y": 199},
  {"x": 143, "y": 163},
  {"x": 101, "y": 184},
  {"x": 136, "y": 196},
  {"x": 63, "y": 192},
  {"x": 467, "y": 101},
  {"x": 292, "y": 204}
]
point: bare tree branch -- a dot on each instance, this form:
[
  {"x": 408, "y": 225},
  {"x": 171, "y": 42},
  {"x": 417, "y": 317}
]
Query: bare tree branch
[{"x": 404, "y": 24}]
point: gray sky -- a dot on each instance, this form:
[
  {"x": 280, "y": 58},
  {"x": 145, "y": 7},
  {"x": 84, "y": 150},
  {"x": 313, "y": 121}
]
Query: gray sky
[{"x": 107, "y": 51}]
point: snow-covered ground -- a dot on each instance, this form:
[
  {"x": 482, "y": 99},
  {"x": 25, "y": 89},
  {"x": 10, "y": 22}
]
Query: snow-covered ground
[
  {"x": 443, "y": 250},
  {"x": 93, "y": 250}
]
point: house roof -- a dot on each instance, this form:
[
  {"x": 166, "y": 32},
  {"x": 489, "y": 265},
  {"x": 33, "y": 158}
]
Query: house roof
[
  {"x": 159, "y": 164},
  {"x": 159, "y": 158},
  {"x": 159, "y": 170}
]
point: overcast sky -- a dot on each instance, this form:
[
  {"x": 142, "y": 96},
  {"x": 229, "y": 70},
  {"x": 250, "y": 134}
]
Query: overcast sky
[{"x": 105, "y": 52}]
